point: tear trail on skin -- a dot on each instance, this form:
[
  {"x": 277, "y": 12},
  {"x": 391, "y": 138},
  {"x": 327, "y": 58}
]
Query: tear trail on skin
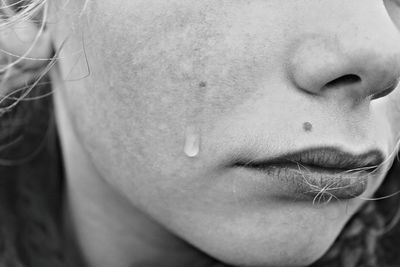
[{"x": 195, "y": 107}]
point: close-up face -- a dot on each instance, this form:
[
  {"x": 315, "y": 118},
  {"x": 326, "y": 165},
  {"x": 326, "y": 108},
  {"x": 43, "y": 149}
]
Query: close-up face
[{"x": 253, "y": 130}]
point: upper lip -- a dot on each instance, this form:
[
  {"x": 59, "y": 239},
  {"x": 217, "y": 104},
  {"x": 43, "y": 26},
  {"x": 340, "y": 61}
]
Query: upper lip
[{"x": 322, "y": 157}]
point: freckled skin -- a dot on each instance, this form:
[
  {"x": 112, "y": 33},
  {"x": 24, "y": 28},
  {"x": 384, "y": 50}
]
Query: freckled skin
[{"x": 246, "y": 73}]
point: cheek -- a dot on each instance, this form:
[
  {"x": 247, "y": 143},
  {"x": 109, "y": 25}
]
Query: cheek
[
  {"x": 394, "y": 112},
  {"x": 177, "y": 55},
  {"x": 387, "y": 110}
]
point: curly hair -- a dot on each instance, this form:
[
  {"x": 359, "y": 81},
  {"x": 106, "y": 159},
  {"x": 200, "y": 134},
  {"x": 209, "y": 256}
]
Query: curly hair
[
  {"x": 30, "y": 206},
  {"x": 31, "y": 176}
]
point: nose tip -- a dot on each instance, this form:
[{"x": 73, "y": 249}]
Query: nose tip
[{"x": 319, "y": 66}]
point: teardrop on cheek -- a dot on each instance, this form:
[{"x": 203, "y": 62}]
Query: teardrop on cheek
[{"x": 192, "y": 142}]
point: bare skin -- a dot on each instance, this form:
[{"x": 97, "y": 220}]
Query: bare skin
[{"x": 238, "y": 77}]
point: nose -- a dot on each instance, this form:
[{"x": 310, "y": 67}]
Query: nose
[{"x": 355, "y": 66}]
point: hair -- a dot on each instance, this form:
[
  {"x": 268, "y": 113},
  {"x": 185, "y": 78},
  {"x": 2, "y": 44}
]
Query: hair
[{"x": 31, "y": 173}]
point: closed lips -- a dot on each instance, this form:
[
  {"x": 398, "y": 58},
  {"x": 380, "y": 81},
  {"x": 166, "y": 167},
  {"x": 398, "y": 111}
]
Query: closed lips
[{"x": 325, "y": 172}]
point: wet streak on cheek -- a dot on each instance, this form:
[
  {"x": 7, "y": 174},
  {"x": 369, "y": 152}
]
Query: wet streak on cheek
[{"x": 193, "y": 121}]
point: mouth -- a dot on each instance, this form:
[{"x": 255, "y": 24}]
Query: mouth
[{"x": 321, "y": 174}]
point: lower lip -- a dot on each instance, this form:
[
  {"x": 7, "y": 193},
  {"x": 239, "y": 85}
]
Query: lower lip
[{"x": 317, "y": 184}]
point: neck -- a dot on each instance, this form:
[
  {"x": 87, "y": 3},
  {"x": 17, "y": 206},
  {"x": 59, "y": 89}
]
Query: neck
[{"x": 110, "y": 231}]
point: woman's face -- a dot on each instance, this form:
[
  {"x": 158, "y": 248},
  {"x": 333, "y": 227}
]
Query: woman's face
[{"x": 182, "y": 93}]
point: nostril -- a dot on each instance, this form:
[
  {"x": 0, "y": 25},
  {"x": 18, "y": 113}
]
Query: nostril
[
  {"x": 386, "y": 91},
  {"x": 350, "y": 79}
]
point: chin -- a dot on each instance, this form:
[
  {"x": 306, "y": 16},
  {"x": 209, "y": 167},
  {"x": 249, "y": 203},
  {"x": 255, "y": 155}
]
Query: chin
[
  {"x": 280, "y": 243},
  {"x": 282, "y": 255}
]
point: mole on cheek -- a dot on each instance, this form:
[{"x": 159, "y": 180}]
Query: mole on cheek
[
  {"x": 203, "y": 84},
  {"x": 307, "y": 126}
]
